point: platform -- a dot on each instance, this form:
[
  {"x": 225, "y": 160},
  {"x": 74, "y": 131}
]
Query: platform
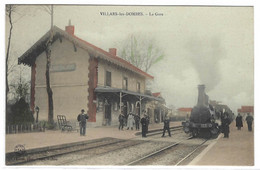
[{"x": 237, "y": 150}]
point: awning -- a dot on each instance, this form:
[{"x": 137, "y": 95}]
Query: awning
[{"x": 116, "y": 90}]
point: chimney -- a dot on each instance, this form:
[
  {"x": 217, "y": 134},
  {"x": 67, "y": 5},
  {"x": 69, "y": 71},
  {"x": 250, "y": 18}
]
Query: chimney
[
  {"x": 70, "y": 28},
  {"x": 112, "y": 51},
  {"x": 202, "y": 97}
]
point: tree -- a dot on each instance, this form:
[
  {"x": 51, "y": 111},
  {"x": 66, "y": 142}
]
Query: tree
[
  {"x": 9, "y": 10},
  {"x": 20, "y": 89},
  {"x": 19, "y": 112},
  {"x": 13, "y": 15},
  {"x": 141, "y": 52},
  {"x": 47, "y": 73}
]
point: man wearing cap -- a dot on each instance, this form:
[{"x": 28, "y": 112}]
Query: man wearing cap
[{"x": 82, "y": 118}]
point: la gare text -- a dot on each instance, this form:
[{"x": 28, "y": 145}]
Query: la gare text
[{"x": 131, "y": 14}]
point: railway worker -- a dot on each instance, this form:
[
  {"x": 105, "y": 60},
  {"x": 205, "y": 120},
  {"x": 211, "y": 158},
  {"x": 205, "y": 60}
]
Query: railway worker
[
  {"x": 166, "y": 126},
  {"x": 121, "y": 118},
  {"x": 137, "y": 121},
  {"x": 144, "y": 125},
  {"x": 225, "y": 125},
  {"x": 82, "y": 118},
  {"x": 147, "y": 117},
  {"x": 249, "y": 121},
  {"x": 130, "y": 121},
  {"x": 239, "y": 122}
]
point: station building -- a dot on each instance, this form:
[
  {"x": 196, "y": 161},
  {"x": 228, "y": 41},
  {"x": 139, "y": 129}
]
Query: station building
[{"x": 83, "y": 76}]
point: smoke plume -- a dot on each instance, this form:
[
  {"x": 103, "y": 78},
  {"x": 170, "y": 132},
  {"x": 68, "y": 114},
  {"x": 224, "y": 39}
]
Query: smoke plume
[{"x": 205, "y": 55}]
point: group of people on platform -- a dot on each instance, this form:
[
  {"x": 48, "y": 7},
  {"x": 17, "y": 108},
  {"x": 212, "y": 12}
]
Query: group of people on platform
[
  {"x": 249, "y": 120},
  {"x": 225, "y": 121},
  {"x": 145, "y": 120},
  {"x": 134, "y": 119},
  {"x": 130, "y": 120}
]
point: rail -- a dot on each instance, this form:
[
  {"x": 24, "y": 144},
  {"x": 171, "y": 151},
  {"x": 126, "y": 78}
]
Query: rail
[{"x": 156, "y": 152}]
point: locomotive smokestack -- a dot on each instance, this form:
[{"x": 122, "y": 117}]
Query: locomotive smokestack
[{"x": 202, "y": 97}]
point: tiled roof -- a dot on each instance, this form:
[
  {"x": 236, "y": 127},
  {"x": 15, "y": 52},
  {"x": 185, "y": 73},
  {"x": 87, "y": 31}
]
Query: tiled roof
[
  {"x": 183, "y": 109},
  {"x": 156, "y": 94},
  {"x": 29, "y": 56},
  {"x": 245, "y": 109}
]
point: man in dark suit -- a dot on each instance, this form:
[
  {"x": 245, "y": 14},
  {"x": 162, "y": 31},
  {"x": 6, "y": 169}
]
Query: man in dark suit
[
  {"x": 166, "y": 126},
  {"x": 82, "y": 118},
  {"x": 144, "y": 123}
]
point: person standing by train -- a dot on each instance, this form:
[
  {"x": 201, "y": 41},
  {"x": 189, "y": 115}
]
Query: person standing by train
[
  {"x": 249, "y": 121},
  {"x": 144, "y": 125},
  {"x": 137, "y": 121},
  {"x": 225, "y": 125},
  {"x": 166, "y": 126},
  {"x": 147, "y": 117},
  {"x": 82, "y": 118},
  {"x": 121, "y": 118},
  {"x": 239, "y": 122}
]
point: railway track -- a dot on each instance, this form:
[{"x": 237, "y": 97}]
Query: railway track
[
  {"x": 151, "y": 155},
  {"x": 88, "y": 152},
  {"x": 190, "y": 154},
  {"x": 159, "y": 131},
  {"x": 98, "y": 151},
  {"x": 17, "y": 158},
  {"x": 179, "y": 160}
]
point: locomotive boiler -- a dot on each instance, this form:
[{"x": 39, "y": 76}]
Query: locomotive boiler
[{"x": 202, "y": 122}]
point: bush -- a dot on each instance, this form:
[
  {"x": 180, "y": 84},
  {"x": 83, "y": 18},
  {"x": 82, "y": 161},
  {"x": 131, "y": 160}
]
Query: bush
[{"x": 19, "y": 113}]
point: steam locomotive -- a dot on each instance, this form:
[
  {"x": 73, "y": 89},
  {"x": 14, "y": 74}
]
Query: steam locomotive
[{"x": 205, "y": 118}]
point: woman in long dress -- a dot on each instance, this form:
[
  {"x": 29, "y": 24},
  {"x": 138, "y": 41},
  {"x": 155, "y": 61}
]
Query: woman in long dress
[
  {"x": 239, "y": 122},
  {"x": 130, "y": 121}
]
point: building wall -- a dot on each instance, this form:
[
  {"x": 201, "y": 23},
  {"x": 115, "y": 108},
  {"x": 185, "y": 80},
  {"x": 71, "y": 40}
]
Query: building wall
[
  {"x": 68, "y": 79},
  {"x": 117, "y": 74}
]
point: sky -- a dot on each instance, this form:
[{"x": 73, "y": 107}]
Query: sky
[{"x": 202, "y": 45}]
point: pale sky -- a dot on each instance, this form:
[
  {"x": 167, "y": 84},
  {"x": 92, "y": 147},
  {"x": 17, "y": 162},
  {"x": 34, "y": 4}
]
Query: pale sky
[{"x": 202, "y": 45}]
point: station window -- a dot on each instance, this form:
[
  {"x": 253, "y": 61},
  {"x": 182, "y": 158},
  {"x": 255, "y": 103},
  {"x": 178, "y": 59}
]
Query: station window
[
  {"x": 138, "y": 87},
  {"x": 125, "y": 83},
  {"x": 108, "y": 79}
]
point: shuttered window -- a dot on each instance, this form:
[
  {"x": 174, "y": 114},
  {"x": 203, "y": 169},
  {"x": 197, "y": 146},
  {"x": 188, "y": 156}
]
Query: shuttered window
[
  {"x": 108, "y": 78},
  {"x": 125, "y": 83}
]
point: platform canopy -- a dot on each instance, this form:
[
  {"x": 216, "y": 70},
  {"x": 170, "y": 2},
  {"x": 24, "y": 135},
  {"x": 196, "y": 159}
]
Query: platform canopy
[{"x": 125, "y": 92}]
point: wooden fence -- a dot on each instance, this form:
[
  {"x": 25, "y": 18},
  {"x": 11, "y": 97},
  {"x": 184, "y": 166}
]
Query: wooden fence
[{"x": 25, "y": 128}]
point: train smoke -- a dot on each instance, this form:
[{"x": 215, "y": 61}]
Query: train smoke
[{"x": 205, "y": 56}]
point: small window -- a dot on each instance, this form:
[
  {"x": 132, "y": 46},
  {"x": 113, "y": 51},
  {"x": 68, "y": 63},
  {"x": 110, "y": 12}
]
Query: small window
[
  {"x": 125, "y": 83},
  {"x": 108, "y": 79},
  {"x": 138, "y": 87}
]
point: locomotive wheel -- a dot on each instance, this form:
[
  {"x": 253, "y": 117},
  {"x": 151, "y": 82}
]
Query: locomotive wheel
[
  {"x": 214, "y": 136},
  {"x": 205, "y": 133},
  {"x": 195, "y": 133},
  {"x": 186, "y": 129},
  {"x": 208, "y": 134}
]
